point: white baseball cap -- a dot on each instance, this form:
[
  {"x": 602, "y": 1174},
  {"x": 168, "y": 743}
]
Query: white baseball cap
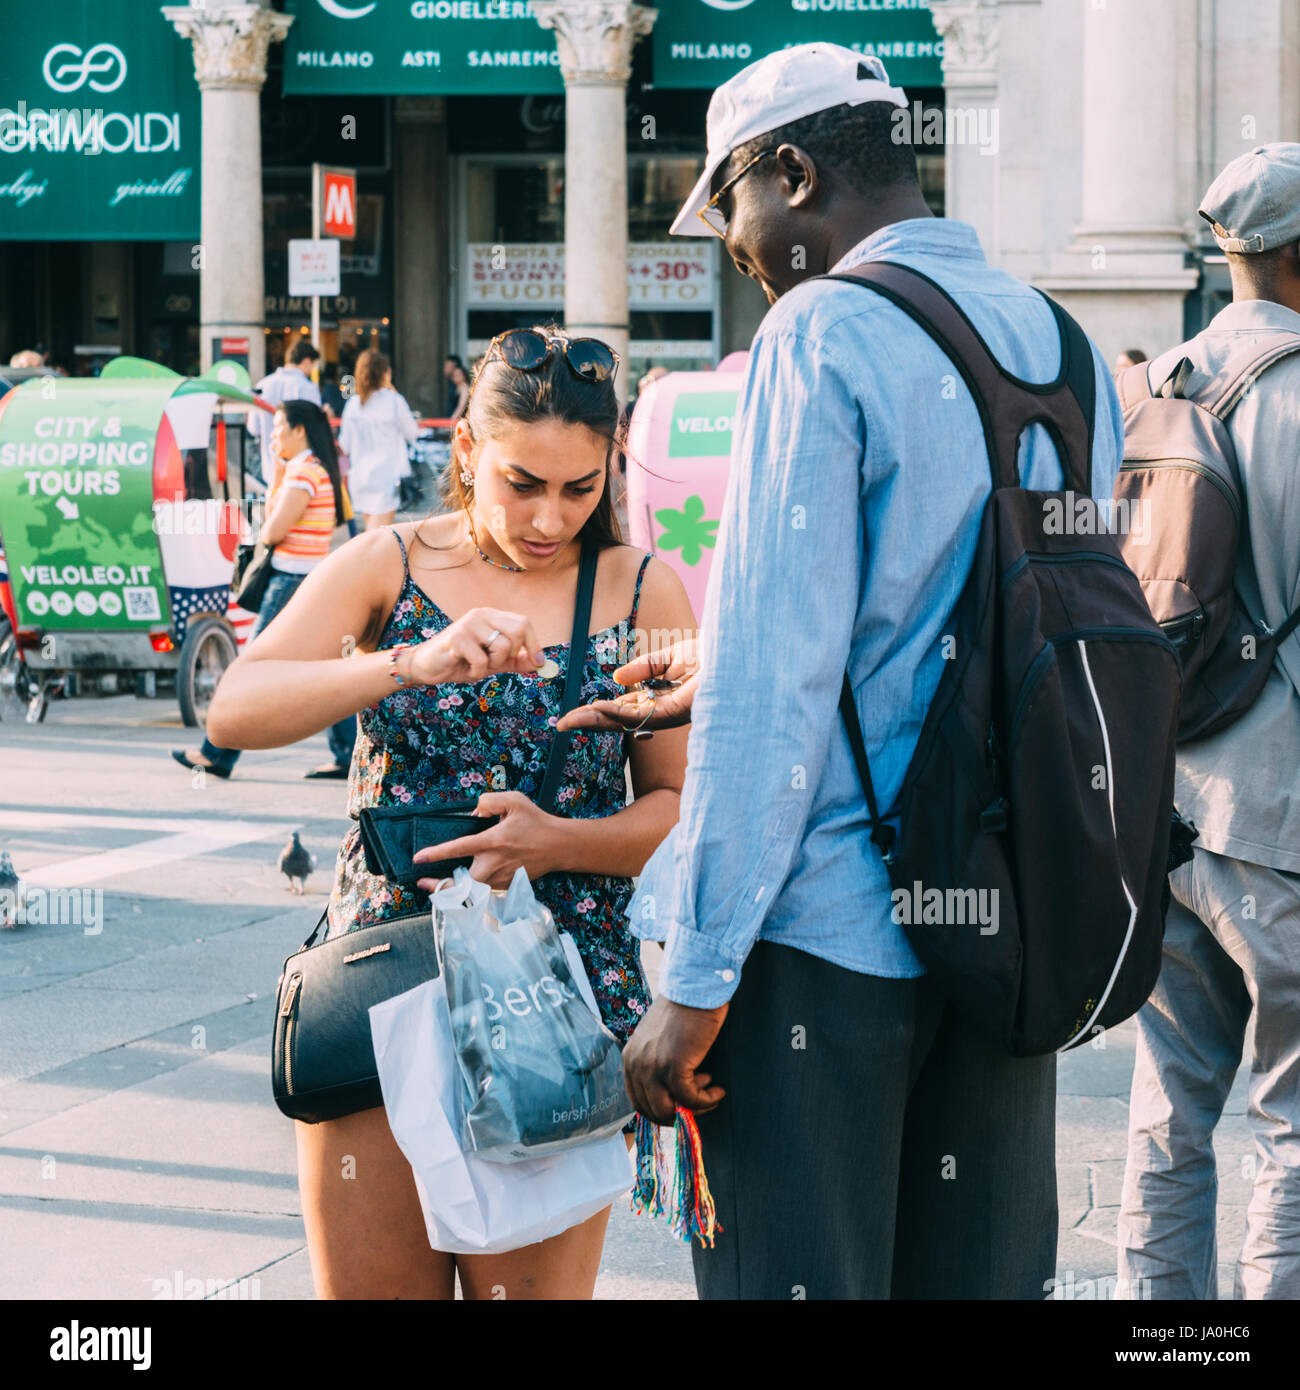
[{"x": 785, "y": 86}]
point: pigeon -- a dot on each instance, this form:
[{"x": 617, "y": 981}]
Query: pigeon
[
  {"x": 296, "y": 863},
  {"x": 9, "y": 894}
]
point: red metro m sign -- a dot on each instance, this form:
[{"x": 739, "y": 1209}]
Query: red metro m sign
[{"x": 340, "y": 205}]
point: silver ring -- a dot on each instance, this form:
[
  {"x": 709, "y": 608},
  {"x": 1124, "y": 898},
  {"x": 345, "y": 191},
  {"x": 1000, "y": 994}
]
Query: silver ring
[{"x": 487, "y": 646}]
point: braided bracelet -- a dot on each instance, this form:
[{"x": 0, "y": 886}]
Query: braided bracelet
[{"x": 392, "y": 660}]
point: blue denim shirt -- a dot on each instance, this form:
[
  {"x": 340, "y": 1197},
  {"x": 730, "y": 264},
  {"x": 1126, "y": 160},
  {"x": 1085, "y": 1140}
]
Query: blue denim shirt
[{"x": 858, "y": 478}]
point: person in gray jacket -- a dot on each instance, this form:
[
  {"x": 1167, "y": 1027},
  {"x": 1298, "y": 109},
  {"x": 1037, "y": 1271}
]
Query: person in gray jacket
[{"x": 1232, "y": 937}]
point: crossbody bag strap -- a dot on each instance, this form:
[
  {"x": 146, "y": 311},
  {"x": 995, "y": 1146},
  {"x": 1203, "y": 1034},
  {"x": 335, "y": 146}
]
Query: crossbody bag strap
[
  {"x": 572, "y": 678},
  {"x": 315, "y": 931},
  {"x": 882, "y": 833}
]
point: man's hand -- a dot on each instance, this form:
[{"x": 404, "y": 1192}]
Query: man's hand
[
  {"x": 659, "y": 1064},
  {"x": 669, "y": 708}
]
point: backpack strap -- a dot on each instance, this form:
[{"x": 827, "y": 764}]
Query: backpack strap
[
  {"x": 1225, "y": 392},
  {"x": 1006, "y": 404},
  {"x": 1133, "y": 385},
  {"x": 882, "y": 833},
  {"x": 1285, "y": 629}
]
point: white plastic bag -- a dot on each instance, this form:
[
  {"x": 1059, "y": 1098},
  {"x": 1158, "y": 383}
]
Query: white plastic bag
[{"x": 473, "y": 1206}]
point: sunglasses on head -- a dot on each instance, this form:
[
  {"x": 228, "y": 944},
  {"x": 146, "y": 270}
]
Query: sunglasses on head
[{"x": 526, "y": 349}]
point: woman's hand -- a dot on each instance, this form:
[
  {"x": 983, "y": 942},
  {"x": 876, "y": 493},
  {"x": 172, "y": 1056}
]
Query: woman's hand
[
  {"x": 484, "y": 641},
  {"x": 524, "y": 836}
]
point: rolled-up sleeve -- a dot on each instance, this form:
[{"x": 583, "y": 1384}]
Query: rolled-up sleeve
[{"x": 775, "y": 634}]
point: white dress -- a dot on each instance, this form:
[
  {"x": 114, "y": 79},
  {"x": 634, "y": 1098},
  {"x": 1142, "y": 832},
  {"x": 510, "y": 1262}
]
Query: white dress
[{"x": 374, "y": 436}]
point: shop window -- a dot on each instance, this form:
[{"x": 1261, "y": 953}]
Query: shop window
[
  {"x": 513, "y": 269},
  {"x": 515, "y": 202}
]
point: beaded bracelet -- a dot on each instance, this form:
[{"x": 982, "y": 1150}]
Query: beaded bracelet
[{"x": 392, "y": 660}]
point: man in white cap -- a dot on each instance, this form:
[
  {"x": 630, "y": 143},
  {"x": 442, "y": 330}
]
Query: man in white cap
[
  {"x": 861, "y": 1141},
  {"x": 1232, "y": 934}
]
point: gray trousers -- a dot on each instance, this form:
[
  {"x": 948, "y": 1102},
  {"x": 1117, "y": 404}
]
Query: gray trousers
[
  {"x": 1232, "y": 945},
  {"x": 871, "y": 1145}
]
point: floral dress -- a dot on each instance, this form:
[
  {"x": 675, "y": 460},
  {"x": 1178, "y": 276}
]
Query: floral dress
[{"x": 431, "y": 745}]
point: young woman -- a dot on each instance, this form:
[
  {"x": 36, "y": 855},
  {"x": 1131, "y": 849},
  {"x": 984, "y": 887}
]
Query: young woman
[
  {"x": 472, "y": 611},
  {"x": 304, "y": 505},
  {"x": 376, "y": 428}
]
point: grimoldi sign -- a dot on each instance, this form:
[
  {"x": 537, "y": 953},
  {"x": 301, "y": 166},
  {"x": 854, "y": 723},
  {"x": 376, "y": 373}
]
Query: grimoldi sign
[
  {"x": 383, "y": 47},
  {"x": 701, "y": 43},
  {"x": 99, "y": 125}
]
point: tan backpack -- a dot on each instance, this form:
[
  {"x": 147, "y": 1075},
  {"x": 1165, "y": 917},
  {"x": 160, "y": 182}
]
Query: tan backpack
[{"x": 1180, "y": 466}]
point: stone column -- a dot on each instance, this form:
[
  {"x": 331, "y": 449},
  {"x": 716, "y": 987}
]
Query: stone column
[
  {"x": 230, "y": 46},
  {"x": 1124, "y": 271},
  {"x": 969, "y": 30},
  {"x": 420, "y": 271},
  {"x": 595, "y": 39}
]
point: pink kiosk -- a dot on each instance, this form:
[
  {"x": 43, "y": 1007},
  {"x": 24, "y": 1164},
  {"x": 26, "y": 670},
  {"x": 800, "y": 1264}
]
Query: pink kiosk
[{"x": 679, "y": 455}]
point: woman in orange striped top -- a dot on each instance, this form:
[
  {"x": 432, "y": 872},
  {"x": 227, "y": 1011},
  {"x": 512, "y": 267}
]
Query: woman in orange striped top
[{"x": 304, "y": 505}]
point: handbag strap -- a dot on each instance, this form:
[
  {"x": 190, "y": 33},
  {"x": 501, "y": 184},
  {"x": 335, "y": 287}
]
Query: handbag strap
[
  {"x": 572, "y": 677},
  {"x": 315, "y": 931}
]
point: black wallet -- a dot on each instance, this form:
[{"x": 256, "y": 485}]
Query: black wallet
[{"x": 390, "y": 836}]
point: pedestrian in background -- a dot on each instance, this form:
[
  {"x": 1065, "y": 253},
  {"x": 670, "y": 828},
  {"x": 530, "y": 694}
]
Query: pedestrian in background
[
  {"x": 1130, "y": 357},
  {"x": 330, "y": 395},
  {"x": 290, "y": 382},
  {"x": 1232, "y": 933},
  {"x": 458, "y": 396},
  {"x": 377, "y": 429},
  {"x": 306, "y": 502},
  {"x": 451, "y": 364}
]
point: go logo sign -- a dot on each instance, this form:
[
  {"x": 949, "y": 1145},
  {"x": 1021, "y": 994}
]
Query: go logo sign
[{"x": 66, "y": 68}]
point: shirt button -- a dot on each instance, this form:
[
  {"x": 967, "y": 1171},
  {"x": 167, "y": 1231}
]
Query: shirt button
[{"x": 727, "y": 976}]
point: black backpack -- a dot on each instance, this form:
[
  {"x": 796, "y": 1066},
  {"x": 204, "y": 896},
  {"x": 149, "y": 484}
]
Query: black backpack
[{"x": 1029, "y": 867}]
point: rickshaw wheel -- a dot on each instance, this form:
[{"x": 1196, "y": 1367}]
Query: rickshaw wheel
[
  {"x": 16, "y": 684},
  {"x": 209, "y": 647}
]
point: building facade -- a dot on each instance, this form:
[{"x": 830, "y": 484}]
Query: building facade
[{"x": 155, "y": 164}]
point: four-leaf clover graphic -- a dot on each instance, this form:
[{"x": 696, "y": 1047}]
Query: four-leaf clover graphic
[{"x": 686, "y": 530}]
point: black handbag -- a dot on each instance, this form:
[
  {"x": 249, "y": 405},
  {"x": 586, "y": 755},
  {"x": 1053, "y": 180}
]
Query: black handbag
[
  {"x": 322, "y": 1057},
  {"x": 251, "y": 576}
]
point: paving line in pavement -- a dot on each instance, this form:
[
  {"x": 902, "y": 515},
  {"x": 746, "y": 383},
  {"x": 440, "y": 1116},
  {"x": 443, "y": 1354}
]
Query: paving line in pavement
[{"x": 201, "y": 837}]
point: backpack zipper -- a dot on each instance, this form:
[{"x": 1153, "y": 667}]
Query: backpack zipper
[
  {"x": 1043, "y": 557},
  {"x": 1139, "y": 634},
  {"x": 1182, "y": 632},
  {"x": 1192, "y": 467},
  {"x": 1123, "y": 883},
  {"x": 1028, "y": 686},
  {"x": 1033, "y": 677}
]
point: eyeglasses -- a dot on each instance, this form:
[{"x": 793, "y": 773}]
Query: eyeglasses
[
  {"x": 526, "y": 349},
  {"x": 710, "y": 214}
]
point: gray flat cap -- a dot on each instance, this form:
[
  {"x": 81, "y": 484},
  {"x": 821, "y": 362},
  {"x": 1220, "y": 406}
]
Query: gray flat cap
[{"x": 1255, "y": 201}]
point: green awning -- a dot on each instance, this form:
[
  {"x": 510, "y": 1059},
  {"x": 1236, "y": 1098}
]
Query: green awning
[{"x": 99, "y": 125}]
